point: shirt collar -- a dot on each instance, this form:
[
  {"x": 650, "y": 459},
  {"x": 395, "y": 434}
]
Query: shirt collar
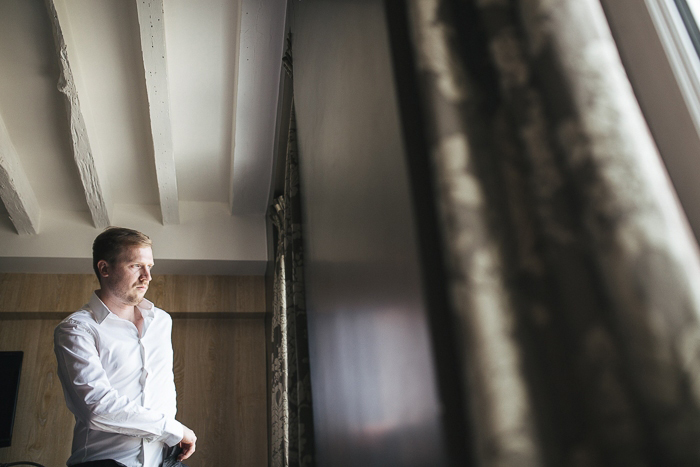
[{"x": 100, "y": 310}]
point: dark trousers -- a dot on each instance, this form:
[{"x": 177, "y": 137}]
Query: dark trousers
[
  {"x": 100, "y": 463},
  {"x": 169, "y": 459}
]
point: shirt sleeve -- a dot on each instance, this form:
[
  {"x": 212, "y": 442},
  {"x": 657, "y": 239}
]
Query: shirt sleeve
[
  {"x": 91, "y": 397},
  {"x": 161, "y": 383}
]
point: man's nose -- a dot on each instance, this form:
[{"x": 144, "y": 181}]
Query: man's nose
[{"x": 146, "y": 274}]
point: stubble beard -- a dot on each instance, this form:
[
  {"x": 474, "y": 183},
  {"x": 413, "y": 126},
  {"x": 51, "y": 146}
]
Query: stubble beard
[{"x": 134, "y": 296}]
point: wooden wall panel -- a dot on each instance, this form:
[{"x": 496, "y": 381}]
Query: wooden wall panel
[
  {"x": 220, "y": 373},
  {"x": 220, "y": 365},
  {"x": 57, "y": 295},
  {"x": 209, "y": 294},
  {"x": 45, "y": 293},
  {"x": 43, "y": 428}
]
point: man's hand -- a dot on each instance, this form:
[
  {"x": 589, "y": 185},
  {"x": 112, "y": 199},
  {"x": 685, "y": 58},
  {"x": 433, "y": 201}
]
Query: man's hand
[{"x": 187, "y": 444}]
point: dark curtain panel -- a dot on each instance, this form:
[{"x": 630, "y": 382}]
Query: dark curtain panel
[
  {"x": 292, "y": 418},
  {"x": 573, "y": 279}
]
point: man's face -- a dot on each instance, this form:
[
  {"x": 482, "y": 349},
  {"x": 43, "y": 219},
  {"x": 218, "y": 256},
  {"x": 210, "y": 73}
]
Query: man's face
[{"x": 128, "y": 278}]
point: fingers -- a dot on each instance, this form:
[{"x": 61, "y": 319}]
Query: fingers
[
  {"x": 187, "y": 450},
  {"x": 188, "y": 444}
]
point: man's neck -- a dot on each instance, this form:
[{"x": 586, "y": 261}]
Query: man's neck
[{"x": 119, "y": 308}]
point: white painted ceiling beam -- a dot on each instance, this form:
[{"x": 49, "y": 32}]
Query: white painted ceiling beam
[
  {"x": 15, "y": 190},
  {"x": 92, "y": 173},
  {"x": 261, "y": 45},
  {"x": 152, "y": 31}
]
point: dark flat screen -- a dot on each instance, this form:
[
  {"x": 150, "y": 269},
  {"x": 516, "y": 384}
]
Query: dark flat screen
[{"x": 10, "y": 368}]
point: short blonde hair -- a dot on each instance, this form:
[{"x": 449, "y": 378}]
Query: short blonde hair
[{"x": 112, "y": 242}]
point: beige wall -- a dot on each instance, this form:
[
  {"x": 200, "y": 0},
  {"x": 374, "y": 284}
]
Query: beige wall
[{"x": 220, "y": 363}]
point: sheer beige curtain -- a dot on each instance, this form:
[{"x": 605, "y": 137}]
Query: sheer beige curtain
[{"x": 574, "y": 282}]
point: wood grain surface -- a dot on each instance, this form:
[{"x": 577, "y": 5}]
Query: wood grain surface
[
  {"x": 43, "y": 428},
  {"x": 45, "y": 293},
  {"x": 220, "y": 374},
  {"x": 57, "y": 295},
  {"x": 220, "y": 364},
  {"x": 244, "y": 295}
]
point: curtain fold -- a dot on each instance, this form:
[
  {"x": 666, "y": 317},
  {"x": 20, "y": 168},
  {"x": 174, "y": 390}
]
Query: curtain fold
[
  {"x": 574, "y": 279},
  {"x": 291, "y": 412}
]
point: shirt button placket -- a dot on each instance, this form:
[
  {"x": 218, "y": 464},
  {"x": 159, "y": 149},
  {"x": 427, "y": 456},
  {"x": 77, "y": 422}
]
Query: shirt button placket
[{"x": 144, "y": 372}]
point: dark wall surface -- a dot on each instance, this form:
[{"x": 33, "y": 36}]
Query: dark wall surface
[{"x": 373, "y": 377}]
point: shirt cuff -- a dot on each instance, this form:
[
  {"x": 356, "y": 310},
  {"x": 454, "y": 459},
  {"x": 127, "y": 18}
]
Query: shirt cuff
[{"x": 173, "y": 432}]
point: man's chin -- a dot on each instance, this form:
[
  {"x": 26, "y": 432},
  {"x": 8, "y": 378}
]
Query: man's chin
[
  {"x": 137, "y": 297},
  {"x": 133, "y": 301}
]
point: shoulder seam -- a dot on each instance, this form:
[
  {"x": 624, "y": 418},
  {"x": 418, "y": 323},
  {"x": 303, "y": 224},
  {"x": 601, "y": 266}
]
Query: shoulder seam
[{"x": 81, "y": 325}]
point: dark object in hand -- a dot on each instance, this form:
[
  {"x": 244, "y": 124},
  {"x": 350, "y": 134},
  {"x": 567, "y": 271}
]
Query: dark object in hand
[{"x": 170, "y": 455}]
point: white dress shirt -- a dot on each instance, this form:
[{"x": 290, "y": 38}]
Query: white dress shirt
[{"x": 119, "y": 386}]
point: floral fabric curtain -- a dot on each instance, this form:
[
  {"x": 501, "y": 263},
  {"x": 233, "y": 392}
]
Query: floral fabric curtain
[
  {"x": 574, "y": 281},
  {"x": 292, "y": 417}
]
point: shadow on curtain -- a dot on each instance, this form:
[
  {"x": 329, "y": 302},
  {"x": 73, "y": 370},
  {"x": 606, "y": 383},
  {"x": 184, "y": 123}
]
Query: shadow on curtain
[
  {"x": 573, "y": 279},
  {"x": 291, "y": 414}
]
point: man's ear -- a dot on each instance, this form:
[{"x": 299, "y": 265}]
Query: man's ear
[{"x": 103, "y": 268}]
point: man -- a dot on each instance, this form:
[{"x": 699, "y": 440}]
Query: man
[{"x": 115, "y": 363}]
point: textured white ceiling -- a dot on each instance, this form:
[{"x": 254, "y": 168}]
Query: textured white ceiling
[{"x": 103, "y": 38}]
